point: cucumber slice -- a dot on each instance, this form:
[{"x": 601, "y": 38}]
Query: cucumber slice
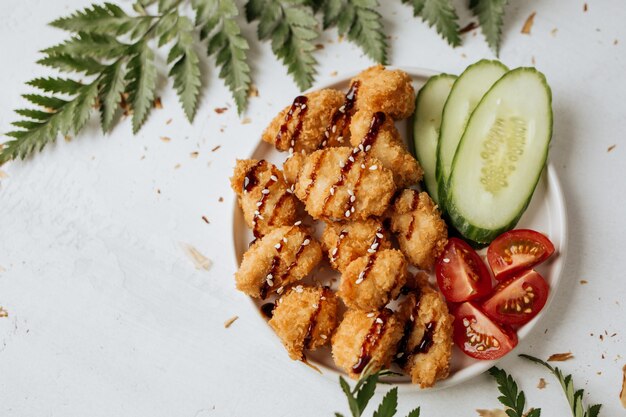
[
  {"x": 426, "y": 124},
  {"x": 501, "y": 155},
  {"x": 467, "y": 91}
]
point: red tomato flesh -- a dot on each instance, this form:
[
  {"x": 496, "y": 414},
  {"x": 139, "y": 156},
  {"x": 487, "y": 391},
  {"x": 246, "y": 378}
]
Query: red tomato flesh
[
  {"x": 461, "y": 274},
  {"x": 479, "y": 337},
  {"x": 516, "y": 251},
  {"x": 517, "y": 300}
]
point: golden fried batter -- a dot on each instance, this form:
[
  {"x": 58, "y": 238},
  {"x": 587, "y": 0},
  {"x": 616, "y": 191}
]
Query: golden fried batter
[
  {"x": 305, "y": 318},
  {"x": 343, "y": 243},
  {"x": 386, "y": 145},
  {"x": 389, "y": 91},
  {"x": 285, "y": 255},
  {"x": 371, "y": 281},
  {"x": 345, "y": 184},
  {"x": 426, "y": 347},
  {"x": 421, "y": 232},
  {"x": 301, "y": 126},
  {"x": 292, "y": 166},
  {"x": 366, "y": 339},
  {"x": 264, "y": 196}
]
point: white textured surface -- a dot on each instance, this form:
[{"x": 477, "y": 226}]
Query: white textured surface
[{"x": 109, "y": 317}]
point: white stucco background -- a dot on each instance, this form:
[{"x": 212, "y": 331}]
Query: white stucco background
[{"x": 109, "y": 317}]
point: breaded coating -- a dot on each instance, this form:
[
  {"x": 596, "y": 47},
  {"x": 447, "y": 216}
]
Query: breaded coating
[
  {"x": 389, "y": 91},
  {"x": 292, "y": 166},
  {"x": 386, "y": 145},
  {"x": 344, "y": 242},
  {"x": 264, "y": 197},
  {"x": 301, "y": 125},
  {"x": 305, "y": 318},
  {"x": 425, "y": 350},
  {"x": 285, "y": 255},
  {"x": 373, "y": 280},
  {"x": 421, "y": 232},
  {"x": 366, "y": 340},
  {"x": 344, "y": 184}
]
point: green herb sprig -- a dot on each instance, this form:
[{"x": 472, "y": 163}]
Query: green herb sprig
[
  {"x": 359, "y": 396},
  {"x": 512, "y": 398},
  {"x": 574, "y": 397},
  {"x": 108, "y": 62}
]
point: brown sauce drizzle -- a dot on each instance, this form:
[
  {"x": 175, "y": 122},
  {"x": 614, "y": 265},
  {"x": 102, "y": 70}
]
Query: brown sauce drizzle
[
  {"x": 260, "y": 205},
  {"x": 300, "y": 104},
  {"x": 335, "y": 253},
  {"x": 340, "y": 122},
  {"x": 314, "y": 169},
  {"x": 373, "y": 336},
  {"x": 252, "y": 179},
  {"x": 271, "y": 274},
  {"x": 372, "y": 134},
  {"x": 343, "y": 173},
  {"x": 427, "y": 340},
  {"x": 373, "y": 254},
  {"x": 414, "y": 203},
  {"x": 313, "y": 321}
]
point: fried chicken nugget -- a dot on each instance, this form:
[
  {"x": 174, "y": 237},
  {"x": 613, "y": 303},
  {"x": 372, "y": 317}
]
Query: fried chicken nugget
[
  {"x": 366, "y": 340},
  {"x": 285, "y": 255},
  {"x": 389, "y": 91},
  {"x": 421, "y": 232},
  {"x": 344, "y": 183},
  {"x": 378, "y": 135},
  {"x": 345, "y": 242},
  {"x": 264, "y": 197},
  {"x": 305, "y": 318},
  {"x": 426, "y": 347},
  {"x": 373, "y": 280},
  {"x": 301, "y": 125}
]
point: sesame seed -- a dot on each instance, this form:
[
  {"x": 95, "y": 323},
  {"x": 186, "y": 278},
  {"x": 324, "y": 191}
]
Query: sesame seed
[
  {"x": 332, "y": 191},
  {"x": 260, "y": 217},
  {"x": 324, "y": 143},
  {"x": 269, "y": 276},
  {"x": 303, "y": 107},
  {"x": 298, "y": 223},
  {"x": 315, "y": 305},
  {"x": 334, "y": 129},
  {"x": 306, "y": 242},
  {"x": 373, "y": 168},
  {"x": 270, "y": 282},
  {"x": 361, "y": 147},
  {"x": 350, "y": 192},
  {"x": 352, "y": 209},
  {"x": 368, "y": 147},
  {"x": 358, "y": 281},
  {"x": 334, "y": 252},
  {"x": 290, "y": 151},
  {"x": 362, "y": 166},
  {"x": 379, "y": 235},
  {"x": 299, "y": 289},
  {"x": 465, "y": 322},
  {"x": 379, "y": 320},
  {"x": 351, "y": 158},
  {"x": 370, "y": 314},
  {"x": 370, "y": 250},
  {"x": 257, "y": 212},
  {"x": 265, "y": 191},
  {"x": 362, "y": 275},
  {"x": 340, "y": 139},
  {"x": 277, "y": 246},
  {"x": 258, "y": 204},
  {"x": 322, "y": 298},
  {"x": 399, "y": 355},
  {"x": 355, "y": 151},
  {"x": 285, "y": 240},
  {"x": 412, "y": 318},
  {"x": 446, "y": 260},
  {"x": 293, "y": 142},
  {"x": 342, "y": 164},
  {"x": 374, "y": 245},
  {"x": 347, "y": 213},
  {"x": 274, "y": 178},
  {"x": 280, "y": 290},
  {"x": 326, "y": 133},
  {"x": 342, "y": 108},
  {"x": 352, "y": 199},
  {"x": 323, "y": 336}
]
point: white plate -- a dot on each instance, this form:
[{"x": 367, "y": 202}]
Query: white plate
[{"x": 546, "y": 214}]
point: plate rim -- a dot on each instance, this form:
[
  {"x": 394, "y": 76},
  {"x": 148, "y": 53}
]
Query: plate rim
[{"x": 478, "y": 368}]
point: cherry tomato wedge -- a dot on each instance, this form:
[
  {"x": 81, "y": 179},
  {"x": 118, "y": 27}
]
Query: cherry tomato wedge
[
  {"x": 516, "y": 251},
  {"x": 461, "y": 274},
  {"x": 479, "y": 337},
  {"x": 517, "y": 300}
]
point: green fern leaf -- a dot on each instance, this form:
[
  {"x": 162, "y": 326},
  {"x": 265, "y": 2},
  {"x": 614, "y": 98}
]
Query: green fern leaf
[
  {"x": 107, "y": 19},
  {"x": 141, "y": 78},
  {"x": 90, "y": 45},
  {"x": 490, "y": 15},
  {"x": 441, "y": 15},
  {"x": 55, "y": 85},
  {"x": 68, "y": 63},
  {"x": 110, "y": 94}
]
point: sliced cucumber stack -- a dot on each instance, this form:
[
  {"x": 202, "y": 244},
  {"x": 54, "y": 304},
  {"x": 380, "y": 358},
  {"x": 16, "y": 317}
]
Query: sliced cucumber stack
[
  {"x": 426, "y": 124},
  {"x": 466, "y": 92},
  {"x": 501, "y": 155}
]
